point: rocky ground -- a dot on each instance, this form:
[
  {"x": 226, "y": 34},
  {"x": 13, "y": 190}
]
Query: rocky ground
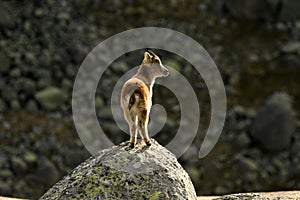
[
  {"x": 256, "y": 49},
  {"x": 288, "y": 195}
]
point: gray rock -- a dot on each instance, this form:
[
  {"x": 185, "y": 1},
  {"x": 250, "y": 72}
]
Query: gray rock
[
  {"x": 290, "y": 10},
  {"x": 44, "y": 146},
  {"x": 249, "y": 9},
  {"x": 119, "y": 67},
  {"x": 174, "y": 64},
  {"x": 247, "y": 164},
  {"x": 15, "y": 73},
  {"x": 5, "y": 187},
  {"x": 51, "y": 97},
  {"x": 67, "y": 84},
  {"x": 31, "y": 106},
  {"x": 14, "y": 104},
  {"x": 6, "y": 174},
  {"x": 4, "y": 62},
  {"x": 18, "y": 165},
  {"x": 123, "y": 173},
  {"x": 20, "y": 186},
  {"x": 6, "y": 125},
  {"x": 25, "y": 84},
  {"x": 30, "y": 158},
  {"x": 46, "y": 172},
  {"x": 290, "y": 60},
  {"x": 105, "y": 113},
  {"x": 71, "y": 71},
  {"x": 6, "y": 18},
  {"x": 216, "y": 5},
  {"x": 220, "y": 190},
  {"x": 98, "y": 102},
  {"x": 44, "y": 77},
  {"x": 8, "y": 93},
  {"x": 2, "y": 106},
  {"x": 275, "y": 123},
  {"x": 291, "y": 47},
  {"x": 30, "y": 57},
  {"x": 242, "y": 139}
]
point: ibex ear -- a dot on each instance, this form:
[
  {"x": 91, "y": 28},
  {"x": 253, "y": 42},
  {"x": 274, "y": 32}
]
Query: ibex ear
[{"x": 147, "y": 56}]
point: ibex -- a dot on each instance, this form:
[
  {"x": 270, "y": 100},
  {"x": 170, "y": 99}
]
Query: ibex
[{"x": 136, "y": 96}]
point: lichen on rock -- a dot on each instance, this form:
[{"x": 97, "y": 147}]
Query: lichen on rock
[{"x": 124, "y": 173}]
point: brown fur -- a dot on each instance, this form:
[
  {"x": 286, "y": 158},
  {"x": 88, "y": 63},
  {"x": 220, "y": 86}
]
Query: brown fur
[{"x": 136, "y": 96}]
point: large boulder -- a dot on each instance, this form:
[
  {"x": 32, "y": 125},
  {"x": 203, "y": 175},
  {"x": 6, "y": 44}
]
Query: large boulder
[
  {"x": 275, "y": 123},
  {"x": 124, "y": 173}
]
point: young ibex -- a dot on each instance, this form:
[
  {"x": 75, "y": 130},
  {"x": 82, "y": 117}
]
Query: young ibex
[{"x": 136, "y": 96}]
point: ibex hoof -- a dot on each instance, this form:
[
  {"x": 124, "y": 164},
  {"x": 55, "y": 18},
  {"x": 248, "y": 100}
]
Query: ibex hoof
[
  {"x": 148, "y": 143},
  {"x": 131, "y": 145}
]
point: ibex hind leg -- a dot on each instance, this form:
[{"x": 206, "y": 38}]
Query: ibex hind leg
[
  {"x": 132, "y": 127},
  {"x": 133, "y": 132}
]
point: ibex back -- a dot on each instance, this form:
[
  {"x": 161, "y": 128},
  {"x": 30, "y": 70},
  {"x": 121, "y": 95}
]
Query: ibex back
[{"x": 136, "y": 96}]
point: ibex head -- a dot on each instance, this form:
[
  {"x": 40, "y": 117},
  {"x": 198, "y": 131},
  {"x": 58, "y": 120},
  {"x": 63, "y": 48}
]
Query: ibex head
[{"x": 153, "y": 62}]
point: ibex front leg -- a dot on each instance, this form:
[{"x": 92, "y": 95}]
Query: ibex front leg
[{"x": 143, "y": 127}]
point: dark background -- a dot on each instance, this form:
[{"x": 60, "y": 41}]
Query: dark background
[{"x": 255, "y": 44}]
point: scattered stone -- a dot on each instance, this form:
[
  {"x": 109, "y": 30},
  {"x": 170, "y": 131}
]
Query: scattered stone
[
  {"x": 14, "y": 104},
  {"x": 291, "y": 47},
  {"x": 290, "y": 10},
  {"x": 249, "y": 9},
  {"x": 291, "y": 60},
  {"x": 6, "y": 125},
  {"x": 6, "y": 174},
  {"x": 123, "y": 173},
  {"x": 119, "y": 67},
  {"x": 5, "y": 187},
  {"x": 220, "y": 190},
  {"x": 246, "y": 164},
  {"x": 18, "y": 165},
  {"x": 2, "y": 106},
  {"x": 242, "y": 139},
  {"x": 32, "y": 106},
  {"x": 46, "y": 172},
  {"x": 25, "y": 84},
  {"x": 6, "y": 18},
  {"x": 105, "y": 113},
  {"x": 8, "y": 93},
  {"x": 20, "y": 187},
  {"x": 173, "y": 64},
  {"x": 29, "y": 157},
  {"x": 67, "y": 84},
  {"x": 51, "y": 97},
  {"x": 5, "y": 62},
  {"x": 15, "y": 73},
  {"x": 98, "y": 102},
  {"x": 63, "y": 16}
]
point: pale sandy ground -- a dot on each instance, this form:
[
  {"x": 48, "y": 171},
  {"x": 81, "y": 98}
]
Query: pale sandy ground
[
  {"x": 258, "y": 195},
  {"x": 263, "y": 195}
]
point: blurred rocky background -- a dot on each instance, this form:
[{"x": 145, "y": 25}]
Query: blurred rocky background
[{"x": 255, "y": 44}]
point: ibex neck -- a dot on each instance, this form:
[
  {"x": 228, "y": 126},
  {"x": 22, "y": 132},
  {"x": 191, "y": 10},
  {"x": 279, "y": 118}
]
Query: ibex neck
[{"x": 146, "y": 76}]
